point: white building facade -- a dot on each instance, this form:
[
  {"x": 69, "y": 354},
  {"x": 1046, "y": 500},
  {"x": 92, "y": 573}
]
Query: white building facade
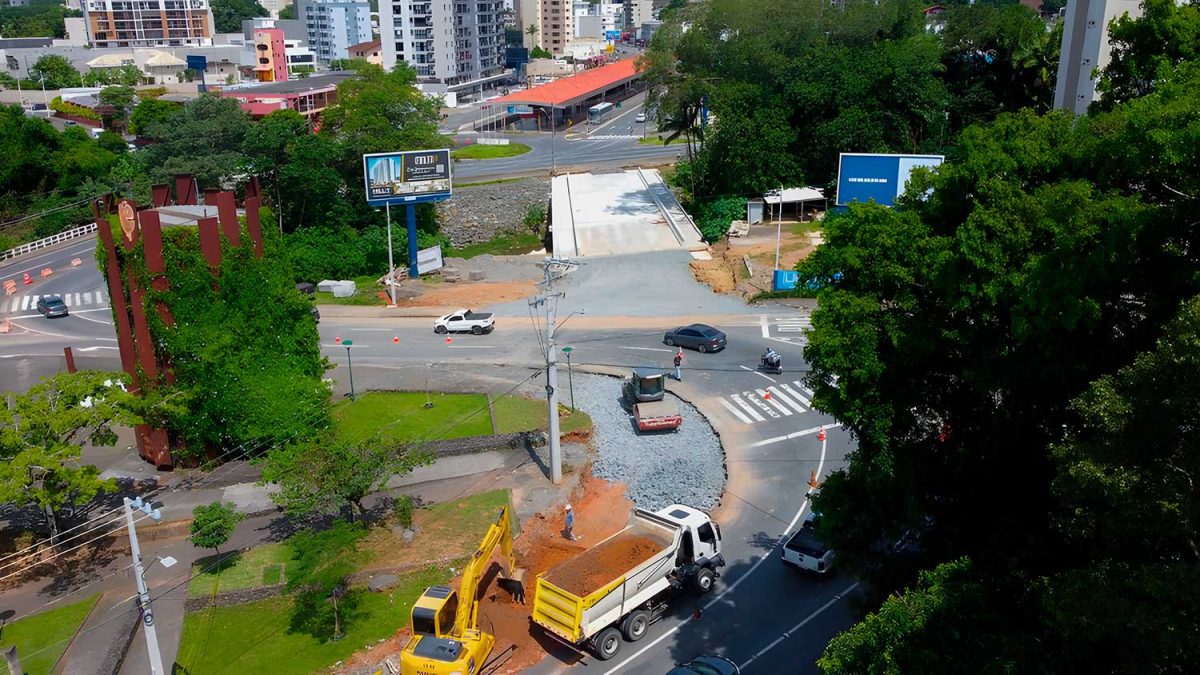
[
  {"x": 451, "y": 43},
  {"x": 1085, "y": 49},
  {"x": 334, "y": 26}
]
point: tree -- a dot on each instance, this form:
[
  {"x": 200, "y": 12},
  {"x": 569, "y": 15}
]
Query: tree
[
  {"x": 112, "y": 142},
  {"x": 56, "y": 71},
  {"x": 229, "y": 14},
  {"x": 150, "y": 112},
  {"x": 38, "y": 18},
  {"x": 331, "y": 474},
  {"x": 266, "y": 147},
  {"x": 41, "y": 437},
  {"x": 119, "y": 96},
  {"x": 1145, "y": 50},
  {"x": 203, "y": 138},
  {"x": 318, "y": 573},
  {"x": 213, "y": 525},
  {"x": 539, "y": 53},
  {"x": 288, "y": 11}
]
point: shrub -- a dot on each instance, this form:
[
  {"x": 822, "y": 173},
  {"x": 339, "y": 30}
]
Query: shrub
[
  {"x": 403, "y": 510},
  {"x": 60, "y": 106},
  {"x": 535, "y": 217},
  {"x": 713, "y": 218}
]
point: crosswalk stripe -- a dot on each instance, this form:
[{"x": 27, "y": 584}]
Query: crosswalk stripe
[
  {"x": 767, "y": 397},
  {"x": 26, "y": 301},
  {"x": 87, "y": 298},
  {"x": 74, "y": 300},
  {"x": 798, "y": 396},
  {"x": 736, "y": 413},
  {"x": 12, "y": 306},
  {"x": 776, "y": 393},
  {"x": 743, "y": 405}
]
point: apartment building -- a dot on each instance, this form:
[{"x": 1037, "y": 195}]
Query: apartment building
[
  {"x": 446, "y": 42},
  {"x": 148, "y": 23},
  {"x": 1085, "y": 49},
  {"x": 638, "y": 12},
  {"x": 334, "y": 26}
]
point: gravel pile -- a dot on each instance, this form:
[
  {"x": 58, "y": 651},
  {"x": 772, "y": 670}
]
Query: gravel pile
[
  {"x": 501, "y": 267},
  {"x": 683, "y": 467}
]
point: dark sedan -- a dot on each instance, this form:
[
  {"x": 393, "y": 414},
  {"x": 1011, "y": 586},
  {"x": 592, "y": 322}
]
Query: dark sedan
[
  {"x": 696, "y": 336},
  {"x": 706, "y": 665},
  {"x": 51, "y": 306}
]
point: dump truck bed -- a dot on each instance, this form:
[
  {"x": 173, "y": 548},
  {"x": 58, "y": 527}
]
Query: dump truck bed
[{"x": 583, "y": 595}]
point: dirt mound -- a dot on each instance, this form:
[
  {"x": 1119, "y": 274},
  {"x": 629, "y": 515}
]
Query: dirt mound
[
  {"x": 474, "y": 295},
  {"x": 581, "y": 576},
  {"x": 717, "y": 273}
]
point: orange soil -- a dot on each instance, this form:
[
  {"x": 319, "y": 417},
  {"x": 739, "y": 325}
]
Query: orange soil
[
  {"x": 471, "y": 294},
  {"x": 607, "y": 562}
]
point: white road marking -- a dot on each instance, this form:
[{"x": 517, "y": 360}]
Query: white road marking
[
  {"x": 731, "y": 587},
  {"x": 766, "y": 329},
  {"x": 25, "y": 301},
  {"x": 756, "y": 373},
  {"x": 797, "y": 434},
  {"x": 736, "y": 413},
  {"x": 801, "y": 398},
  {"x": 87, "y": 298},
  {"x": 470, "y": 346},
  {"x": 779, "y": 406},
  {"x": 762, "y": 405},
  {"x": 776, "y": 393},
  {"x": 788, "y": 633},
  {"x": 92, "y": 349},
  {"x": 646, "y": 349},
  {"x": 742, "y": 404},
  {"x": 43, "y": 332},
  {"x": 76, "y": 314}
]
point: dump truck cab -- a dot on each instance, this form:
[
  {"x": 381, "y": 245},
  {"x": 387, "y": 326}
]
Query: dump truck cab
[{"x": 700, "y": 544}]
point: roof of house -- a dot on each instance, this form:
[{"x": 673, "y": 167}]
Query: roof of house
[
  {"x": 163, "y": 59},
  {"x": 365, "y": 46},
  {"x": 570, "y": 90},
  {"x": 793, "y": 195},
  {"x": 114, "y": 60},
  {"x": 314, "y": 83}
]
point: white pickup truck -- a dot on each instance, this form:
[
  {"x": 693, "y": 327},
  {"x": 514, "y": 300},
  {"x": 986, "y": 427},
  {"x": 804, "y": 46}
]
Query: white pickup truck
[{"x": 464, "y": 321}]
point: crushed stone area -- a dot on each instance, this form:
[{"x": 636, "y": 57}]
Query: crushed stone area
[
  {"x": 500, "y": 267},
  {"x": 582, "y": 575},
  {"x": 681, "y": 467}
]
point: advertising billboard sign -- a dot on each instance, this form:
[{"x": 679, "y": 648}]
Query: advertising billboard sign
[
  {"x": 881, "y": 178},
  {"x": 407, "y": 177}
]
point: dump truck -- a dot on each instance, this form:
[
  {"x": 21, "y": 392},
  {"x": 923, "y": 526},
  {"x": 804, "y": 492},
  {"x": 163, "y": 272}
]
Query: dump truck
[
  {"x": 616, "y": 589},
  {"x": 644, "y": 393}
]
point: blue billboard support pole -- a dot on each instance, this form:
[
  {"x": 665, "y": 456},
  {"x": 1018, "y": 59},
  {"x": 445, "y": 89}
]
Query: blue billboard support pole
[{"x": 412, "y": 240}]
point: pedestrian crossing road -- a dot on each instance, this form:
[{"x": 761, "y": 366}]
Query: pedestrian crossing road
[
  {"x": 25, "y": 303},
  {"x": 775, "y": 401}
]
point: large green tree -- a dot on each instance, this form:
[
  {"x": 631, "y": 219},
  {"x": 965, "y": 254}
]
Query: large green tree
[
  {"x": 1145, "y": 50},
  {"x": 54, "y": 71},
  {"x": 229, "y": 14},
  {"x": 41, "y": 438},
  {"x": 150, "y": 112},
  {"x": 203, "y": 138}
]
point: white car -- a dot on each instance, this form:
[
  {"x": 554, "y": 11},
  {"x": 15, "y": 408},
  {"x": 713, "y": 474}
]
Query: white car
[
  {"x": 806, "y": 550},
  {"x": 464, "y": 321},
  {"x": 640, "y": 119}
]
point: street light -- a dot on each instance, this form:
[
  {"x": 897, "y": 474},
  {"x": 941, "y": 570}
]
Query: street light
[
  {"x": 349, "y": 366},
  {"x": 156, "y": 663},
  {"x": 570, "y": 375}
]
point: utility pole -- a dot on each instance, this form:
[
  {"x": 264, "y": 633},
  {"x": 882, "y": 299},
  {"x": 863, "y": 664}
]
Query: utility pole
[
  {"x": 139, "y": 573},
  {"x": 391, "y": 276},
  {"x": 550, "y": 300},
  {"x": 778, "y": 226}
]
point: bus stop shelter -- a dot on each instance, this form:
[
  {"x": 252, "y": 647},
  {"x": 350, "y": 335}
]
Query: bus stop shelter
[{"x": 565, "y": 100}]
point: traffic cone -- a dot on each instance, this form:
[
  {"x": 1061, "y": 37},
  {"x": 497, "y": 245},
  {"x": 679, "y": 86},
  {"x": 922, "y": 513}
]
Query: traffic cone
[
  {"x": 812, "y": 480},
  {"x": 27, "y": 279},
  {"x": 448, "y": 340},
  {"x": 395, "y": 340},
  {"x": 767, "y": 396},
  {"x": 337, "y": 340},
  {"x": 821, "y": 435}
]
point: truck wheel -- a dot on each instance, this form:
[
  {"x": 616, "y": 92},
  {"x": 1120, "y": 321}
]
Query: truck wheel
[
  {"x": 440, "y": 330},
  {"x": 704, "y": 580},
  {"x": 634, "y": 626},
  {"x": 607, "y": 643},
  {"x": 476, "y": 330}
]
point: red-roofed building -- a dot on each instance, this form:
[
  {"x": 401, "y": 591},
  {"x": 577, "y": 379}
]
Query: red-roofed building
[{"x": 570, "y": 97}]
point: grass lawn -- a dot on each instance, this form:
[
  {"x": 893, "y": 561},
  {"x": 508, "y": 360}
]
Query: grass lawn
[
  {"x": 258, "y": 637},
  {"x": 403, "y": 416},
  {"x": 476, "y": 151},
  {"x": 658, "y": 140},
  {"x": 806, "y": 227},
  {"x": 448, "y": 530},
  {"x": 365, "y": 294},
  {"x": 509, "y": 243},
  {"x": 42, "y": 638},
  {"x": 498, "y": 181},
  {"x": 259, "y": 566}
]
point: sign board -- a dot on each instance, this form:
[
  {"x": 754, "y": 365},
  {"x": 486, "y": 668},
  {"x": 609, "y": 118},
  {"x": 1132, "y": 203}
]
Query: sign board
[
  {"x": 198, "y": 63},
  {"x": 785, "y": 280},
  {"x": 429, "y": 260},
  {"x": 407, "y": 177},
  {"x": 612, "y": 35},
  {"x": 878, "y": 178}
]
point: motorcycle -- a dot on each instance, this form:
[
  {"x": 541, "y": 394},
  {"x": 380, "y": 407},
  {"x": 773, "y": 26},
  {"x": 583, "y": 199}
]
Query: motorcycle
[{"x": 771, "y": 363}]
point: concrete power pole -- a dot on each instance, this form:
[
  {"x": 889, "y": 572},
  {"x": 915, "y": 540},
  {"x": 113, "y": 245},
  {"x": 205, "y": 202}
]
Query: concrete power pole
[
  {"x": 550, "y": 300},
  {"x": 139, "y": 573}
]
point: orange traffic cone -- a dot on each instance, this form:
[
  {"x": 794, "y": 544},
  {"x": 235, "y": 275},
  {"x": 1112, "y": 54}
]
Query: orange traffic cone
[
  {"x": 821, "y": 435},
  {"x": 27, "y": 279},
  {"x": 812, "y": 480},
  {"x": 337, "y": 340},
  {"x": 395, "y": 340}
]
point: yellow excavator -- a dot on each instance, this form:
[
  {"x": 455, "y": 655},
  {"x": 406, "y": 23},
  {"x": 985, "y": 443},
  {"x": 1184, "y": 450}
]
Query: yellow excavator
[{"x": 445, "y": 639}]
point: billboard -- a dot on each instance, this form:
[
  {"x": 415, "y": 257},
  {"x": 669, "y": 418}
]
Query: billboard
[
  {"x": 407, "y": 177},
  {"x": 882, "y": 178}
]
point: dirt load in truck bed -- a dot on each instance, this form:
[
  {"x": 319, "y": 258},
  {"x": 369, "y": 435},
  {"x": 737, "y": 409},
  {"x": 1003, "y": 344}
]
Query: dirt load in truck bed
[{"x": 587, "y": 572}]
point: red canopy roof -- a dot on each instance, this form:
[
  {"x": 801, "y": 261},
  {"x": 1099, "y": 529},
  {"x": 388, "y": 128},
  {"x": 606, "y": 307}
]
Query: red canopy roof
[{"x": 570, "y": 90}]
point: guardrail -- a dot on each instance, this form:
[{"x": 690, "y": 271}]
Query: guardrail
[{"x": 48, "y": 241}]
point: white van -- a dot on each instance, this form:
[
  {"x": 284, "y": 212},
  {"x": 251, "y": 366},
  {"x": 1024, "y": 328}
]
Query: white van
[{"x": 806, "y": 550}]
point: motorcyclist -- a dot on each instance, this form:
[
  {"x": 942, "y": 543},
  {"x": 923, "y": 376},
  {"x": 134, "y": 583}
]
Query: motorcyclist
[{"x": 771, "y": 358}]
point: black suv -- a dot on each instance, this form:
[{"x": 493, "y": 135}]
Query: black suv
[{"x": 52, "y": 306}]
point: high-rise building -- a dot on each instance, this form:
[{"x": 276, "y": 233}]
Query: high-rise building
[
  {"x": 638, "y": 12},
  {"x": 553, "y": 23},
  {"x": 148, "y": 23},
  {"x": 445, "y": 42},
  {"x": 270, "y": 54},
  {"x": 1085, "y": 49},
  {"x": 334, "y": 26}
]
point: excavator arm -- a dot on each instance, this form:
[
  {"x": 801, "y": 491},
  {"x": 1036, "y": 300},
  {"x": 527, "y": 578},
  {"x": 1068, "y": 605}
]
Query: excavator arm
[{"x": 499, "y": 534}]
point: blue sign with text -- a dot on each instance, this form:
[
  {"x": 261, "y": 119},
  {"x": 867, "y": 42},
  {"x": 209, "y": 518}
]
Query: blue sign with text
[{"x": 878, "y": 178}]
